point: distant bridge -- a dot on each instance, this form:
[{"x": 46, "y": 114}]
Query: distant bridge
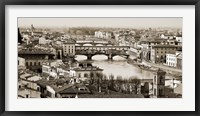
[
  {"x": 109, "y": 51},
  {"x": 94, "y": 43}
]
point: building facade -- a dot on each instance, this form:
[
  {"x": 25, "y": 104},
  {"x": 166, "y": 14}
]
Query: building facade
[
  {"x": 159, "y": 84},
  {"x": 85, "y": 69},
  {"x": 69, "y": 48},
  {"x": 21, "y": 61},
  {"x": 35, "y": 57},
  {"x": 179, "y": 60},
  {"x": 55, "y": 69},
  {"x": 103, "y": 34},
  {"x": 42, "y": 40},
  {"x": 146, "y": 52},
  {"x": 158, "y": 52},
  {"x": 171, "y": 60}
]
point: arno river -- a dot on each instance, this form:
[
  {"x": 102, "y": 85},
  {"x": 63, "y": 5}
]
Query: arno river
[{"x": 119, "y": 67}]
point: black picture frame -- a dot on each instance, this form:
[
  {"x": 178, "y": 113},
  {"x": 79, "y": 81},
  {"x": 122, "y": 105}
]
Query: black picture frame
[{"x": 98, "y": 2}]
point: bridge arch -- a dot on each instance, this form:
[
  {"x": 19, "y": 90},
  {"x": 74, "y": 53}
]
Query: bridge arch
[
  {"x": 77, "y": 45},
  {"x": 120, "y": 57},
  {"x": 99, "y": 45},
  {"x": 87, "y": 44},
  {"x": 81, "y": 57},
  {"x": 99, "y": 57}
]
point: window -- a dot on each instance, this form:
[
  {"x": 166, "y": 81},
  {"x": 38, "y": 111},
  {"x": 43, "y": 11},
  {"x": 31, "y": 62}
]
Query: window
[
  {"x": 161, "y": 80},
  {"x": 38, "y": 88},
  {"x": 30, "y": 63},
  {"x": 27, "y": 96},
  {"x": 26, "y": 63},
  {"x": 85, "y": 75},
  {"x": 35, "y": 64}
]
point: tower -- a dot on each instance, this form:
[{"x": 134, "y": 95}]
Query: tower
[
  {"x": 159, "y": 83},
  {"x": 32, "y": 30}
]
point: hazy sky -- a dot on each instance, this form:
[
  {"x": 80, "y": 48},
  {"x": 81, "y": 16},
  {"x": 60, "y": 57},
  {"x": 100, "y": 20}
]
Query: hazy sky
[{"x": 100, "y": 22}]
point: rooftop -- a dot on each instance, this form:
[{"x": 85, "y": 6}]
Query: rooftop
[
  {"x": 74, "y": 89},
  {"x": 166, "y": 46},
  {"x": 179, "y": 56},
  {"x": 160, "y": 71},
  {"x": 25, "y": 76},
  {"x": 44, "y": 82},
  {"x": 91, "y": 68},
  {"x": 70, "y": 41},
  {"x": 34, "y": 78},
  {"x": 34, "y": 51}
]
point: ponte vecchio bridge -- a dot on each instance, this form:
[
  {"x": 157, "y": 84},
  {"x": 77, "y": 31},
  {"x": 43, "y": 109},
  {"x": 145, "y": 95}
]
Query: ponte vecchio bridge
[
  {"x": 94, "y": 43},
  {"x": 109, "y": 51}
]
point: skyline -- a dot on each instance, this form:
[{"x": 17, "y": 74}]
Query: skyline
[{"x": 145, "y": 22}]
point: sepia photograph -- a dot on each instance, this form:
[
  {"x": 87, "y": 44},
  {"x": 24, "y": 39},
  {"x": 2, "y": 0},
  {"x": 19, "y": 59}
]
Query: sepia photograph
[{"x": 99, "y": 57}]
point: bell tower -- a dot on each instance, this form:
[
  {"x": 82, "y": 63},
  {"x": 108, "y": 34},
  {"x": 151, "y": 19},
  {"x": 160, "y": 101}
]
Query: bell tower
[{"x": 159, "y": 84}]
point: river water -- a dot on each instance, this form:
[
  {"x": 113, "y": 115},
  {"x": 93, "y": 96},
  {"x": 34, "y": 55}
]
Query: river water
[{"x": 119, "y": 67}]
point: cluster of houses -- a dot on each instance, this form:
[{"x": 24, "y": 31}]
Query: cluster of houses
[{"x": 56, "y": 80}]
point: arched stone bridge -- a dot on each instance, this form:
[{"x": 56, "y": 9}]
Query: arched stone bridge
[
  {"x": 109, "y": 51},
  {"x": 93, "y": 43}
]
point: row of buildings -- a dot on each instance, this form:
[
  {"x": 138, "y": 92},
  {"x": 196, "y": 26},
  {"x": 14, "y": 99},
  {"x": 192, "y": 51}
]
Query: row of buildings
[{"x": 167, "y": 52}]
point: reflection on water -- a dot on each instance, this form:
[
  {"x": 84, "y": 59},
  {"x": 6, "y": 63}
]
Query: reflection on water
[{"x": 118, "y": 67}]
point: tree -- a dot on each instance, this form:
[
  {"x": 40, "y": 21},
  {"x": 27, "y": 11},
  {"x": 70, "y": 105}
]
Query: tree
[
  {"x": 99, "y": 77},
  {"x": 111, "y": 81},
  {"x": 104, "y": 78},
  {"x": 91, "y": 77},
  {"x": 136, "y": 84}
]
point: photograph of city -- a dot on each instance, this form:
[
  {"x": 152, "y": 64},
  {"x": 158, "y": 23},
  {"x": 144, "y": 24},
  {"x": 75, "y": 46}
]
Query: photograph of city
[{"x": 99, "y": 57}]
